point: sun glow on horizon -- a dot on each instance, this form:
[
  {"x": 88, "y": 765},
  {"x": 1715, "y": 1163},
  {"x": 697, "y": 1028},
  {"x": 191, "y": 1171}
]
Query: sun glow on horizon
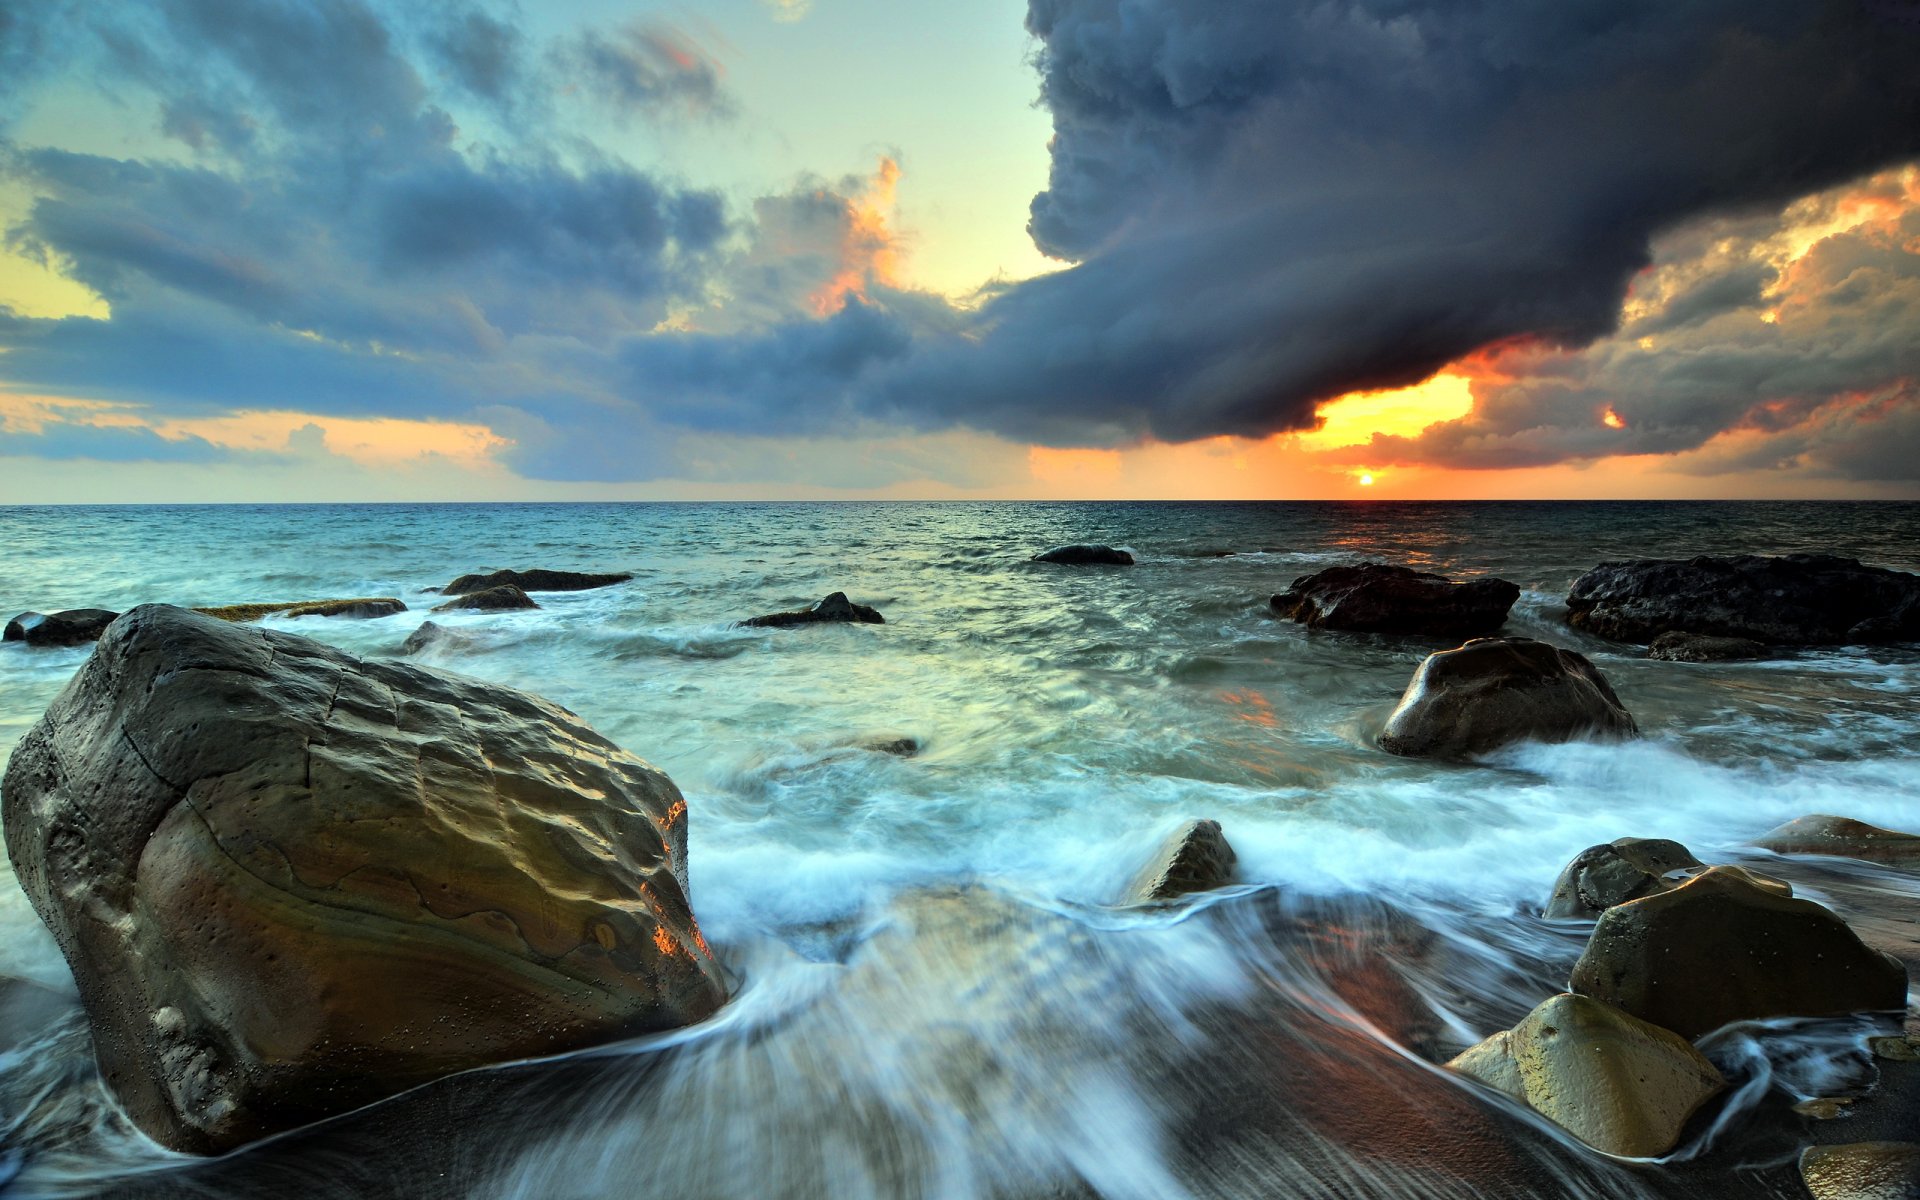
[{"x": 1353, "y": 419}]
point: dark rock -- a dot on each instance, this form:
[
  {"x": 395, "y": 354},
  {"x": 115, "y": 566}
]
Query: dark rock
[
  {"x": 899, "y": 747},
  {"x": 504, "y": 598},
  {"x": 362, "y": 607},
  {"x": 534, "y": 581},
  {"x": 1085, "y": 556},
  {"x": 1493, "y": 691},
  {"x": 1377, "y": 598},
  {"x": 290, "y": 882},
  {"x": 1675, "y": 646},
  {"x": 1722, "y": 948},
  {"x": 1196, "y": 858},
  {"x": 430, "y": 635},
  {"x": 1600, "y": 877},
  {"x": 1795, "y": 600},
  {"x": 834, "y": 608},
  {"x": 1842, "y": 837},
  {"x": 74, "y": 627}
]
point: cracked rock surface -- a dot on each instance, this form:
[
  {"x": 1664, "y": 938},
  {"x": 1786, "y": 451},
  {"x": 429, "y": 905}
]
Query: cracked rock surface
[{"x": 290, "y": 882}]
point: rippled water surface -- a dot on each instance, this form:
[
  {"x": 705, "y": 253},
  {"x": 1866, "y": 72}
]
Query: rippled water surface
[{"x": 935, "y": 997}]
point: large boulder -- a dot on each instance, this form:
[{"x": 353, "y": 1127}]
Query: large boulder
[
  {"x": 74, "y": 627},
  {"x": 1843, "y": 838},
  {"x": 1724, "y": 947},
  {"x": 1676, "y": 646},
  {"x": 1794, "y": 600},
  {"x": 534, "y": 581},
  {"x": 1494, "y": 691},
  {"x": 835, "y": 607},
  {"x": 361, "y": 607},
  {"x": 1195, "y": 858},
  {"x": 290, "y": 881},
  {"x": 505, "y": 598},
  {"x": 1085, "y": 556},
  {"x": 1377, "y": 598},
  {"x": 1615, "y": 1082},
  {"x": 1615, "y": 872}
]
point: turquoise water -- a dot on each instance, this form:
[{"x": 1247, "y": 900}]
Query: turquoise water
[{"x": 1068, "y": 718}]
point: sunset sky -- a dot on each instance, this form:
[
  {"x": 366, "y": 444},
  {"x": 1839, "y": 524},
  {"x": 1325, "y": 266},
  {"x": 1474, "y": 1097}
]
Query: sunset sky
[{"x": 453, "y": 250}]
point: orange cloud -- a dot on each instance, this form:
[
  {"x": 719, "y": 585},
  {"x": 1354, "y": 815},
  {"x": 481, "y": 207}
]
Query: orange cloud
[{"x": 870, "y": 248}]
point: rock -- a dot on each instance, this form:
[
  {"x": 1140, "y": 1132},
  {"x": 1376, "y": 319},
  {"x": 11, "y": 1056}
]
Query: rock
[
  {"x": 1795, "y": 600},
  {"x": 1675, "y": 646},
  {"x": 290, "y": 882},
  {"x": 430, "y": 635},
  {"x": 1824, "y": 1108},
  {"x": 1377, "y": 598},
  {"x": 1600, "y": 877},
  {"x": 534, "y": 581},
  {"x": 834, "y": 608},
  {"x": 1085, "y": 556},
  {"x": 1617, "y": 1083},
  {"x": 1842, "y": 837},
  {"x": 504, "y": 598},
  {"x": 363, "y": 607},
  {"x": 1862, "y": 1171},
  {"x": 1493, "y": 691},
  {"x": 898, "y": 747},
  {"x": 1195, "y": 858},
  {"x": 74, "y": 627},
  {"x": 1722, "y": 948}
]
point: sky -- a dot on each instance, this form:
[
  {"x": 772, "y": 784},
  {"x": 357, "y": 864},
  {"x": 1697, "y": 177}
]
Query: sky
[{"x": 338, "y": 250}]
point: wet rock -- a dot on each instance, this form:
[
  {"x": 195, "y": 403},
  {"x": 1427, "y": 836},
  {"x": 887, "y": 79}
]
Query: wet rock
[
  {"x": 362, "y": 607},
  {"x": 1895, "y": 1049},
  {"x": 1675, "y": 646},
  {"x": 1600, "y": 877},
  {"x": 290, "y": 882},
  {"x": 1862, "y": 1171},
  {"x": 533, "y": 581},
  {"x": 1844, "y": 838},
  {"x": 898, "y": 747},
  {"x": 1195, "y": 858},
  {"x": 834, "y": 608},
  {"x": 1494, "y": 691},
  {"x": 1615, "y": 1082},
  {"x": 1723, "y": 948},
  {"x": 1085, "y": 556},
  {"x": 1824, "y": 1108},
  {"x": 1377, "y": 598},
  {"x": 431, "y": 636},
  {"x": 505, "y": 598},
  {"x": 1795, "y": 600},
  {"x": 74, "y": 627}
]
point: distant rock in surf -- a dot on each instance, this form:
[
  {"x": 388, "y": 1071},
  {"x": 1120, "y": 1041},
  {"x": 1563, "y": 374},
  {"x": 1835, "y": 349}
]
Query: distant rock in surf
[
  {"x": 1675, "y": 646},
  {"x": 430, "y": 636},
  {"x": 1615, "y": 872},
  {"x": 1844, "y": 838},
  {"x": 1085, "y": 556},
  {"x": 1495, "y": 691},
  {"x": 363, "y": 607},
  {"x": 1794, "y": 600},
  {"x": 533, "y": 581},
  {"x": 74, "y": 627},
  {"x": 1195, "y": 858},
  {"x": 1724, "y": 947},
  {"x": 290, "y": 882},
  {"x": 1377, "y": 598},
  {"x": 504, "y": 598},
  {"x": 898, "y": 747},
  {"x": 835, "y": 607}
]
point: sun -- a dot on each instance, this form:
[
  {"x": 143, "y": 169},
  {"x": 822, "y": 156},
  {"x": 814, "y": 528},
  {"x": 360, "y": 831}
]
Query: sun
[{"x": 1366, "y": 480}]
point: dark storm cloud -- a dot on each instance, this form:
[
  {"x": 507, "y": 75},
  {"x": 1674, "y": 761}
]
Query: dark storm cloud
[
  {"x": 484, "y": 54},
  {"x": 643, "y": 69},
  {"x": 110, "y": 443}
]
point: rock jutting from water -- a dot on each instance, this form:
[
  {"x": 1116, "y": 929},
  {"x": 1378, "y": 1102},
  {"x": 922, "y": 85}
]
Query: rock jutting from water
[
  {"x": 1492, "y": 692},
  {"x": 1617, "y": 1083},
  {"x": 1085, "y": 556},
  {"x": 1793, "y": 600},
  {"x": 1842, "y": 837},
  {"x": 1675, "y": 646},
  {"x": 505, "y": 598},
  {"x": 1195, "y": 858},
  {"x": 74, "y": 627},
  {"x": 1377, "y": 598},
  {"x": 835, "y": 608},
  {"x": 362, "y": 607},
  {"x": 1862, "y": 1171},
  {"x": 290, "y": 882},
  {"x": 1615, "y": 872},
  {"x": 534, "y": 581}
]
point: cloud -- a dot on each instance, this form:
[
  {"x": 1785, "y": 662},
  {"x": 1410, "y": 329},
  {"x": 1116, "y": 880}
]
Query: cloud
[
  {"x": 789, "y": 10},
  {"x": 109, "y": 443},
  {"x": 646, "y": 68}
]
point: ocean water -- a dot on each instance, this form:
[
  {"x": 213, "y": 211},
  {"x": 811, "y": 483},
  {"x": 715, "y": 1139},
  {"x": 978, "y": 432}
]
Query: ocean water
[{"x": 935, "y": 995}]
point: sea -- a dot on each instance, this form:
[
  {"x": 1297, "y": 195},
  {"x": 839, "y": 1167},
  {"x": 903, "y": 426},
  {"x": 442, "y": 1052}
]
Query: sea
[{"x": 937, "y": 989}]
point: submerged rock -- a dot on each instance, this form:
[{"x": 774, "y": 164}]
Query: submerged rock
[
  {"x": 363, "y": 607},
  {"x": 898, "y": 747},
  {"x": 290, "y": 882},
  {"x": 834, "y": 608},
  {"x": 1675, "y": 646},
  {"x": 1195, "y": 858},
  {"x": 1377, "y": 598},
  {"x": 1725, "y": 947},
  {"x": 1862, "y": 1171},
  {"x": 1624, "y": 869},
  {"x": 430, "y": 635},
  {"x": 1617, "y": 1083},
  {"x": 1494, "y": 691},
  {"x": 1798, "y": 599},
  {"x": 505, "y": 598},
  {"x": 534, "y": 581},
  {"x": 1085, "y": 556},
  {"x": 1842, "y": 837},
  {"x": 74, "y": 627}
]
